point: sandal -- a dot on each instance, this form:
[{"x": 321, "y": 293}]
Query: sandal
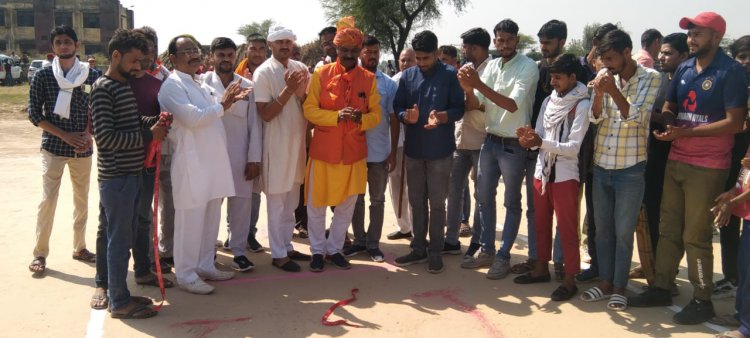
[
  {"x": 286, "y": 264},
  {"x": 562, "y": 293},
  {"x": 594, "y": 294},
  {"x": 617, "y": 302},
  {"x": 134, "y": 311},
  {"x": 153, "y": 280},
  {"x": 100, "y": 300},
  {"x": 38, "y": 266},
  {"x": 85, "y": 256},
  {"x": 522, "y": 268}
]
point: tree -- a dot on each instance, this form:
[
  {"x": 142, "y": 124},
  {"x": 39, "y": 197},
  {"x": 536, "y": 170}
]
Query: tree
[
  {"x": 312, "y": 53},
  {"x": 525, "y": 43},
  {"x": 391, "y": 21},
  {"x": 588, "y": 35},
  {"x": 256, "y": 27},
  {"x": 575, "y": 47}
]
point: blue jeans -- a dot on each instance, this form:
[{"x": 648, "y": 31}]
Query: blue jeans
[
  {"x": 743, "y": 283},
  {"x": 618, "y": 195},
  {"x": 377, "y": 180},
  {"x": 510, "y": 161},
  {"x": 143, "y": 255},
  {"x": 119, "y": 210},
  {"x": 458, "y": 189}
]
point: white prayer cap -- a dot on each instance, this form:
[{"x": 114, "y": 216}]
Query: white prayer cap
[{"x": 277, "y": 33}]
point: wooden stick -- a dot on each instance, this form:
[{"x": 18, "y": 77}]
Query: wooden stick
[{"x": 401, "y": 185}]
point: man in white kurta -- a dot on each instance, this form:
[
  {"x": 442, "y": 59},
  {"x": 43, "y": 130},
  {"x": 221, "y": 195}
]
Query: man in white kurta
[
  {"x": 201, "y": 171},
  {"x": 244, "y": 138},
  {"x": 280, "y": 84}
]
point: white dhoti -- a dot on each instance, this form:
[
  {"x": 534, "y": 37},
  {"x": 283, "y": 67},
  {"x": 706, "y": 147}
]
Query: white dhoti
[
  {"x": 281, "y": 221},
  {"x": 239, "y": 210},
  {"x": 195, "y": 235},
  {"x": 395, "y": 179}
]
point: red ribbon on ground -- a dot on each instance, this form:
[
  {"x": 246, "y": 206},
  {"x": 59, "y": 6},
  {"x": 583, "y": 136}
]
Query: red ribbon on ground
[
  {"x": 333, "y": 307},
  {"x": 153, "y": 160}
]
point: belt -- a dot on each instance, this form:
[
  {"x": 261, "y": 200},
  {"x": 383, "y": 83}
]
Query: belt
[{"x": 509, "y": 141}]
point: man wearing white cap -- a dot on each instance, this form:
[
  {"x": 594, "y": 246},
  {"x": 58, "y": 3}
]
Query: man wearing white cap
[
  {"x": 706, "y": 105},
  {"x": 280, "y": 85}
]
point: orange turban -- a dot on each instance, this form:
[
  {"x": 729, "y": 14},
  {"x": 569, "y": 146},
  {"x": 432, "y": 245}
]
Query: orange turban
[{"x": 347, "y": 34}]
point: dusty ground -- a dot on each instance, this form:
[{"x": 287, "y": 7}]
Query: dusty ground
[{"x": 392, "y": 302}]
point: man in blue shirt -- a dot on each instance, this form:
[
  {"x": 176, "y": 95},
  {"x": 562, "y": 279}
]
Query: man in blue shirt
[
  {"x": 429, "y": 101},
  {"x": 381, "y": 159}
]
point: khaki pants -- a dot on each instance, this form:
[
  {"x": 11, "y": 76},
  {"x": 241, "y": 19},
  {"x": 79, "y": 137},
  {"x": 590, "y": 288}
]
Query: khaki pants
[
  {"x": 52, "y": 171},
  {"x": 686, "y": 225}
]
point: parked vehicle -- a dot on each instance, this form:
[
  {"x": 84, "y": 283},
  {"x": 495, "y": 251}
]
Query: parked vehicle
[
  {"x": 35, "y": 66},
  {"x": 15, "y": 69}
]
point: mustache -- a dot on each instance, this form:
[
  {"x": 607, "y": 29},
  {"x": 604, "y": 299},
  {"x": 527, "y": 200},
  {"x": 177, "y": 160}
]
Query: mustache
[{"x": 194, "y": 60}]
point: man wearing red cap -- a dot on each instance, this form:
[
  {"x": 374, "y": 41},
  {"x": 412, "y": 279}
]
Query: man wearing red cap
[
  {"x": 342, "y": 103},
  {"x": 705, "y": 106}
]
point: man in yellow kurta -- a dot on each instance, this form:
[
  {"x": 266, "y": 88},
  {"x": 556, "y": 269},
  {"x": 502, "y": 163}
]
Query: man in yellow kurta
[{"x": 342, "y": 103}]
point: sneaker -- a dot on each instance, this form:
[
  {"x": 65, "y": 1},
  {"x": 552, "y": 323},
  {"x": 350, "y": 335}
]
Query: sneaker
[
  {"x": 499, "y": 269},
  {"x": 217, "y": 275},
  {"x": 354, "y": 250},
  {"x": 339, "y": 261},
  {"x": 241, "y": 263},
  {"x": 473, "y": 248},
  {"x": 198, "y": 287},
  {"x": 376, "y": 255},
  {"x": 451, "y": 249},
  {"x": 587, "y": 276},
  {"x": 399, "y": 235},
  {"x": 696, "y": 312},
  {"x": 411, "y": 258},
  {"x": 465, "y": 230},
  {"x": 724, "y": 289},
  {"x": 317, "y": 264},
  {"x": 653, "y": 296},
  {"x": 435, "y": 264},
  {"x": 483, "y": 260},
  {"x": 253, "y": 245},
  {"x": 225, "y": 245}
]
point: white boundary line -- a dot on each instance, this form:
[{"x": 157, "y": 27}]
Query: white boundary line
[{"x": 95, "y": 328}]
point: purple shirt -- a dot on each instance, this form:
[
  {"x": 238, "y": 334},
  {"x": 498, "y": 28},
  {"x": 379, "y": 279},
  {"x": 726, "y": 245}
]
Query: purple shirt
[{"x": 146, "y": 91}]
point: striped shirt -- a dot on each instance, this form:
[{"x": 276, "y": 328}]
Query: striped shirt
[
  {"x": 622, "y": 142},
  {"x": 119, "y": 130},
  {"x": 42, "y": 97}
]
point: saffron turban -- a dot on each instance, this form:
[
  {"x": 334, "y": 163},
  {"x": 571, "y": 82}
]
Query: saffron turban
[
  {"x": 277, "y": 33},
  {"x": 347, "y": 34}
]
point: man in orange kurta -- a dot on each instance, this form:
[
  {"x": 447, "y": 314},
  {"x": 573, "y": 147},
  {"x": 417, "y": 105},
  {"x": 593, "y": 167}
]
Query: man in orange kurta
[{"x": 342, "y": 103}]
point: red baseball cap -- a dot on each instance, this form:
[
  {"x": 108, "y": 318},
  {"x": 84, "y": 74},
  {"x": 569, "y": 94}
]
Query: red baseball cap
[{"x": 706, "y": 19}]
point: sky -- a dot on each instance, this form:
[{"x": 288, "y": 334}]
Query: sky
[{"x": 209, "y": 19}]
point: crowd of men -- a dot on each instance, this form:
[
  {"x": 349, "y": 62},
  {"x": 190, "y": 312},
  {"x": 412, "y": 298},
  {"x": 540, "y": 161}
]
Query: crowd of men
[{"x": 656, "y": 136}]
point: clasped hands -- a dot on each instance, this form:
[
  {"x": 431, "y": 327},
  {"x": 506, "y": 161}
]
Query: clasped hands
[{"x": 528, "y": 138}]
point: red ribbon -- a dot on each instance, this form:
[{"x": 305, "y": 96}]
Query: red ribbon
[
  {"x": 333, "y": 307},
  {"x": 153, "y": 159}
]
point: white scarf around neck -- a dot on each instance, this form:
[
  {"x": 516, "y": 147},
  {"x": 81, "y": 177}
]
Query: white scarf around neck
[{"x": 76, "y": 76}]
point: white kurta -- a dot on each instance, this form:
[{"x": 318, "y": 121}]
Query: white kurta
[
  {"x": 284, "y": 136},
  {"x": 201, "y": 168}
]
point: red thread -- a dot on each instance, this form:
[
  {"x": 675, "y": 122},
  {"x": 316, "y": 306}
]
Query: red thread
[{"x": 333, "y": 307}]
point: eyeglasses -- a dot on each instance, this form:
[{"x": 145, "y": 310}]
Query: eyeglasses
[{"x": 194, "y": 51}]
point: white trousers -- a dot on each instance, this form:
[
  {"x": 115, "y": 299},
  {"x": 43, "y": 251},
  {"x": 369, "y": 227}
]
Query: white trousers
[
  {"x": 238, "y": 217},
  {"x": 281, "y": 221},
  {"x": 195, "y": 235},
  {"x": 316, "y": 224},
  {"x": 395, "y": 179}
]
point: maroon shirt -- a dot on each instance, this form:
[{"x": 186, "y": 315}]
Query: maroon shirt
[{"x": 146, "y": 91}]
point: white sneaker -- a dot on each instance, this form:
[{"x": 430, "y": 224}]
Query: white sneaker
[
  {"x": 217, "y": 275},
  {"x": 197, "y": 287}
]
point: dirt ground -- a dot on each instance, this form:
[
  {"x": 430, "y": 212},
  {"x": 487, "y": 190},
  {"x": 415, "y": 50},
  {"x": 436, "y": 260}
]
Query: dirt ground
[{"x": 392, "y": 302}]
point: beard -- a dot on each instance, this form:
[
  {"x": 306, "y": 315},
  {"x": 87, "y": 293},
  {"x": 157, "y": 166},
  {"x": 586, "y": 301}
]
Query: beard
[
  {"x": 124, "y": 73},
  {"x": 66, "y": 56},
  {"x": 224, "y": 68}
]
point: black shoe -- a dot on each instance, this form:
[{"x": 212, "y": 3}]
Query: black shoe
[
  {"x": 562, "y": 293},
  {"x": 339, "y": 261},
  {"x": 588, "y": 275},
  {"x": 529, "y": 279},
  {"x": 451, "y": 249},
  {"x": 411, "y": 258},
  {"x": 376, "y": 255},
  {"x": 696, "y": 312},
  {"x": 399, "y": 235},
  {"x": 353, "y": 250},
  {"x": 473, "y": 248},
  {"x": 435, "y": 264},
  {"x": 298, "y": 256},
  {"x": 241, "y": 263},
  {"x": 653, "y": 296},
  {"x": 253, "y": 245},
  {"x": 317, "y": 264}
]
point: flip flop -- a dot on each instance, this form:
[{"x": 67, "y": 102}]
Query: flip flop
[
  {"x": 617, "y": 302},
  {"x": 85, "y": 256},
  {"x": 594, "y": 294},
  {"x": 154, "y": 281},
  {"x": 137, "y": 311},
  {"x": 38, "y": 266},
  {"x": 100, "y": 300}
]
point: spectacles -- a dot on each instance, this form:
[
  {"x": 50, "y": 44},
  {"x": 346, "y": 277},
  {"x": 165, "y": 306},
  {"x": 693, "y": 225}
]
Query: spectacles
[{"x": 194, "y": 51}]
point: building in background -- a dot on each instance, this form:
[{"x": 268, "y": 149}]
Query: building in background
[{"x": 25, "y": 24}]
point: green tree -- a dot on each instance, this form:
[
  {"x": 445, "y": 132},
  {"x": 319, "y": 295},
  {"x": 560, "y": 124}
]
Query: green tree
[
  {"x": 391, "y": 21},
  {"x": 526, "y": 43},
  {"x": 256, "y": 27},
  {"x": 312, "y": 53},
  {"x": 588, "y": 35},
  {"x": 575, "y": 47}
]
